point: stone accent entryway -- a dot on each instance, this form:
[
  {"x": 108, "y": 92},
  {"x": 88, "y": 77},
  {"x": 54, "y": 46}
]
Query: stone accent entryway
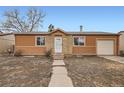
[{"x": 59, "y": 77}]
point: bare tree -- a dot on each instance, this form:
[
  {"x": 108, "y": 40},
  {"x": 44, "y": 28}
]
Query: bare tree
[{"x": 28, "y": 22}]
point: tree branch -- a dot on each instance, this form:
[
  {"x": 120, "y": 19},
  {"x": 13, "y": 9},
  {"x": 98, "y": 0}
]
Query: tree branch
[{"x": 29, "y": 23}]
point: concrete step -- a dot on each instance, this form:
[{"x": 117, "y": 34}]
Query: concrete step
[
  {"x": 58, "y": 56},
  {"x": 58, "y": 63}
]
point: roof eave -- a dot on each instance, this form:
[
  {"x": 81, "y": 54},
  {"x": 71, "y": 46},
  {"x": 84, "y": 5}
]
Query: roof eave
[
  {"x": 98, "y": 34},
  {"x": 67, "y": 34},
  {"x": 4, "y": 34}
]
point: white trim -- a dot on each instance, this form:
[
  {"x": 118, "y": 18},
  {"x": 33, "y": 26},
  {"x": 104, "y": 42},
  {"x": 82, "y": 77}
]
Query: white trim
[
  {"x": 80, "y": 45},
  {"x": 84, "y": 46},
  {"x": 105, "y": 38},
  {"x": 36, "y": 41},
  {"x": 29, "y": 46}
]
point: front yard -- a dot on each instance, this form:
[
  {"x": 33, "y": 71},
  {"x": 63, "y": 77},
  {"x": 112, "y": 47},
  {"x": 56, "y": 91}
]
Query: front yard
[
  {"x": 92, "y": 71},
  {"x": 87, "y": 71},
  {"x": 25, "y": 71}
]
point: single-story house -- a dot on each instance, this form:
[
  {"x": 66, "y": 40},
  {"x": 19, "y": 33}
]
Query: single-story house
[
  {"x": 67, "y": 43},
  {"x": 7, "y": 41}
]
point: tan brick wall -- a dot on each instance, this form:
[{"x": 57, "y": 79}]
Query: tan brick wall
[
  {"x": 49, "y": 42},
  {"x": 64, "y": 41},
  {"x": 68, "y": 45}
]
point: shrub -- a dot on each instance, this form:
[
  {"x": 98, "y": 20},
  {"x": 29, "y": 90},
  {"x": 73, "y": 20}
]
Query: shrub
[
  {"x": 9, "y": 51},
  {"x": 122, "y": 53},
  {"x": 18, "y": 53},
  {"x": 48, "y": 53}
]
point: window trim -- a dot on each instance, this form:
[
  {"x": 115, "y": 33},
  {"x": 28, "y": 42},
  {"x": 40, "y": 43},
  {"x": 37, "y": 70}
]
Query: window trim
[
  {"x": 80, "y": 45},
  {"x": 36, "y": 41}
]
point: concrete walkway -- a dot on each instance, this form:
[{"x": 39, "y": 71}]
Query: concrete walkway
[
  {"x": 114, "y": 58},
  {"x": 58, "y": 63},
  {"x": 59, "y": 77}
]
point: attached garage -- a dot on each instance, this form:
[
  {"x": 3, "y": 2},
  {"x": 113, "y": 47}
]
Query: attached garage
[{"x": 105, "y": 47}]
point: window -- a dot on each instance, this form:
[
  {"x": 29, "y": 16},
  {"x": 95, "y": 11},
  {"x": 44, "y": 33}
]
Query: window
[
  {"x": 40, "y": 41},
  {"x": 79, "y": 40}
]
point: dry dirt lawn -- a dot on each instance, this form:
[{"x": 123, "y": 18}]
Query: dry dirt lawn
[
  {"x": 25, "y": 71},
  {"x": 92, "y": 71}
]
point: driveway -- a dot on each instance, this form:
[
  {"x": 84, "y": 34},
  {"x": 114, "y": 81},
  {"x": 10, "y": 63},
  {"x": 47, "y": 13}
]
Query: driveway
[
  {"x": 114, "y": 58},
  {"x": 93, "y": 71},
  {"x": 24, "y": 71}
]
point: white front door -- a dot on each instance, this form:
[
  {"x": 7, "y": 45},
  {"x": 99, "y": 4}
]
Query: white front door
[{"x": 58, "y": 44}]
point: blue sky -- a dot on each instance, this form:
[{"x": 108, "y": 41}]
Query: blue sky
[{"x": 99, "y": 18}]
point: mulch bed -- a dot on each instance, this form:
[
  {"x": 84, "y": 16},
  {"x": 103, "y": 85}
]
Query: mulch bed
[{"x": 93, "y": 71}]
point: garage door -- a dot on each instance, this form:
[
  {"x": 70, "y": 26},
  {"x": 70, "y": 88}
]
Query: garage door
[{"x": 105, "y": 47}]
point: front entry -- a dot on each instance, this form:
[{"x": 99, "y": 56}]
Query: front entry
[{"x": 58, "y": 44}]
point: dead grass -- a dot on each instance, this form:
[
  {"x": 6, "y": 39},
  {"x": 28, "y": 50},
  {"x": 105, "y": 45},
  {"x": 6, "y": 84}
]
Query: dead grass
[
  {"x": 92, "y": 71},
  {"x": 25, "y": 71}
]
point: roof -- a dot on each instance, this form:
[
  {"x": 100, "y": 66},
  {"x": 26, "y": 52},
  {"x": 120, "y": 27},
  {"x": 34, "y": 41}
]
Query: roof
[
  {"x": 31, "y": 32},
  {"x": 3, "y": 34},
  {"x": 121, "y": 32},
  {"x": 92, "y": 33},
  {"x": 70, "y": 33}
]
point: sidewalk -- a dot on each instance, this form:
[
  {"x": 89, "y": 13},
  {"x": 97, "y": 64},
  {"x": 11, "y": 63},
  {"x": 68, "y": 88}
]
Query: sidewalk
[
  {"x": 59, "y": 77},
  {"x": 114, "y": 58}
]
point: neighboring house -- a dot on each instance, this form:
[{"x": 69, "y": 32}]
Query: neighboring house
[
  {"x": 67, "y": 43},
  {"x": 121, "y": 40},
  {"x": 7, "y": 40}
]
